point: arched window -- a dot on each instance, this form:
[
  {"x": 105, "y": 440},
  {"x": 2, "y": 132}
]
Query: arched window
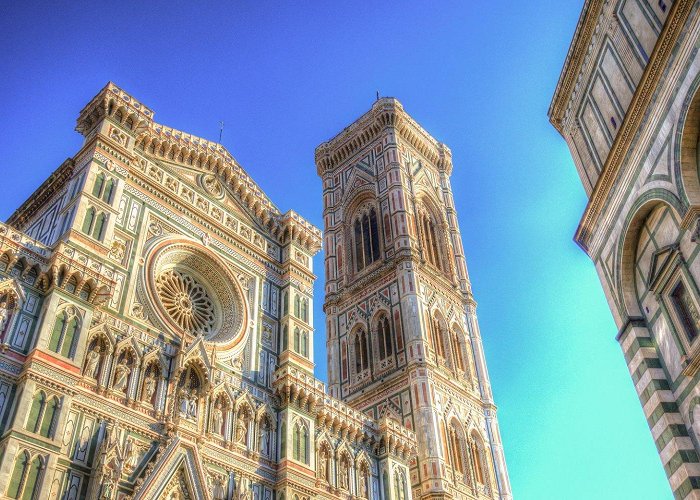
[
  {"x": 429, "y": 238},
  {"x": 100, "y": 227},
  {"x": 99, "y": 185},
  {"x": 304, "y": 344},
  {"x": 25, "y": 477},
  {"x": 399, "y": 486},
  {"x": 297, "y": 306},
  {"x": 365, "y": 234},
  {"x": 344, "y": 360},
  {"x": 384, "y": 334},
  {"x": 89, "y": 221},
  {"x": 108, "y": 191},
  {"x": 456, "y": 448},
  {"x": 283, "y": 440},
  {"x": 361, "y": 352},
  {"x": 304, "y": 310},
  {"x": 36, "y": 412},
  {"x": 300, "y": 443},
  {"x": 64, "y": 336},
  {"x": 69, "y": 340},
  {"x": 297, "y": 340},
  {"x": 457, "y": 350},
  {"x": 103, "y": 188},
  {"x": 285, "y": 338},
  {"x": 48, "y": 422},
  {"x": 285, "y": 303},
  {"x": 478, "y": 459},
  {"x": 438, "y": 340}
]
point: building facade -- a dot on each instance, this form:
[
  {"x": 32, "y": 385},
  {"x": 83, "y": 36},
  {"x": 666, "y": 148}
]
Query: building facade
[
  {"x": 628, "y": 106},
  {"x": 156, "y": 339}
]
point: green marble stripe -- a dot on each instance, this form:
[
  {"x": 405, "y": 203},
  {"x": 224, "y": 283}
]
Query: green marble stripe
[
  {"x": 679, "y": 458},
  {"x": 661, "y": 409},
  {"x": 686, "y": 487},
  {"x": 644, "y": 365},
  {"x": 653, "y": 386},
  {"x": 670, "y": 432},
  {"x": 636, "y": 344}
]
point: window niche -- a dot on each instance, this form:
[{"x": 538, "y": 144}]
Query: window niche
[{"x": 677, "y": 295}]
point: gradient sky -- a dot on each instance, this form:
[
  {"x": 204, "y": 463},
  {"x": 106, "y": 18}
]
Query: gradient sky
[{"x": 285, "y": 77}]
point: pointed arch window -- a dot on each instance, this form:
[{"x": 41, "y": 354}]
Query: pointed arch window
[
  {"x": 477, "y": 457},
  {"x": 103, "y": 188},
  {"x": 365, "y": 235},
  {"x": 361, "y": 352},
  {"x": 99, "y": 185},
  {"x": 297, "y": 306},
  {"x": 456, "y": 448},
  {"x": 300, "y": 443},
  {"x": 89, "y": 220},
  {"x": 42, "y": 415},
  {"x": 438, "y": 340},
  {"x": 24, "y": 481},
  {"x": 64, "y": 336},
  {"x": 457, "y": 350},
  {"x": 297, "y": 340},
  {"x": 384, "y": 333},
  {"x": 100, "y": 226},
  {"x": 429, "y": 239}
]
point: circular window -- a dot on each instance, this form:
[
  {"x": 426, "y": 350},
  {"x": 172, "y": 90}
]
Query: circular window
[
  {"x": 186, "y": 301},
  {"x": 192, "y": 292}
]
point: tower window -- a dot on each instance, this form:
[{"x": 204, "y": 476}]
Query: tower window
[
  {"x": 384, "y": 336},
  {"x": 429, "y": 239},
  {"x": 365, "y": 239}
]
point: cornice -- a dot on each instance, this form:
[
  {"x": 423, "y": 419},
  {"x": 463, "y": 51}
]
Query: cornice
[
  {"x": 574, "y": 59},
  {"x": 386, "y": 112},
  {"x": 180, "y": 148},
  {"x": 633, "y": 118},
  {"x": 42, "y": 194}
]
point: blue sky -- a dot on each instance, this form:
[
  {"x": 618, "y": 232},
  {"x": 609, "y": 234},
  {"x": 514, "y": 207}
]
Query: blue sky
[{"x": 285, "y": 77}]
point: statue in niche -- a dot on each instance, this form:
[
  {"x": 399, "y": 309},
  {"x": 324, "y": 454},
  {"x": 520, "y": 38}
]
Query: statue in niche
[
  {"x": 92, "y": 363},
  {"x": 344, "y": 474},
  {"x": 130, "y": 454},
  {"x": 219, "y": 492},
  {"x": 192, "y": 406},
  {"x": 241, "y": 431},
  {"x": 324, "y": 465},
  {"x": 363, "y": 485},
  {"x": 184, "y": 404},
  {"x": 121, "y": 376},
  {"x": 217, "y": 418},
  {"x": 107, "y": 487},
  {"x": 265, "y": 438},
  {"x": 4, "y": 315},
  {"x": 149, "y": 387}
]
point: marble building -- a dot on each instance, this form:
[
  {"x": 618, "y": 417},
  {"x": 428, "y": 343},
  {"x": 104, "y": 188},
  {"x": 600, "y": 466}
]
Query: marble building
[
  {"x": 157, "y": 335},
  {"x": 628, "y": 106}
]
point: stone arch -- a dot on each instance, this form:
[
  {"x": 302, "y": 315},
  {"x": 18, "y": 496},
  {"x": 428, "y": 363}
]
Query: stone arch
[
  {"x": 686, "y": 146},
  {"x": 627, "y": 246}
]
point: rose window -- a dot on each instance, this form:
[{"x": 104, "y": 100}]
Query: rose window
[
  {"x": 189, "y": 290},
  {"x": 186, "y": 301}
]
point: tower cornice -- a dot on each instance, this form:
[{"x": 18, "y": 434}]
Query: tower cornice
[{"x": 386, "y": 112}]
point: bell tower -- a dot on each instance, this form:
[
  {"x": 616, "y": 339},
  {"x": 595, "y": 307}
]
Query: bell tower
[{"x": 402, "y": 336}]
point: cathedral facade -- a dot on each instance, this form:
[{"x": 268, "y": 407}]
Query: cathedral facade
[
  {"x": 156, "y": 326},
  {"x": 627, "y": 104}
]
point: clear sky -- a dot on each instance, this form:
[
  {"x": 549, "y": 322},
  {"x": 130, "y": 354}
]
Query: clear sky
[{"x": 286, "y": 76}]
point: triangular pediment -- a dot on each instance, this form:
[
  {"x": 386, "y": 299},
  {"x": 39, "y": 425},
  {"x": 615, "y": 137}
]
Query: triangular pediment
[
  {"x": 177, "y": 470},
  {"x": 662, "y": 263}
]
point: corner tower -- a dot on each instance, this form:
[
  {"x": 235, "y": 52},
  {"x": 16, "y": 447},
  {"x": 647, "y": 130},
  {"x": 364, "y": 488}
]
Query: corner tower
[{"x": 402, "y": 335}]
